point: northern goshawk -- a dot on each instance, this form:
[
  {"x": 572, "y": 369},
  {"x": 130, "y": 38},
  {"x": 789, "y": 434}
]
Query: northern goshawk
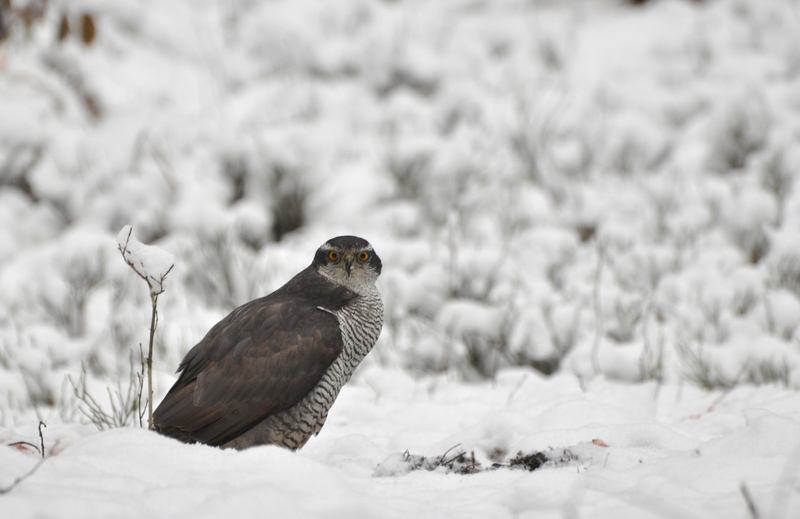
[{"x": 270, "y": 371}]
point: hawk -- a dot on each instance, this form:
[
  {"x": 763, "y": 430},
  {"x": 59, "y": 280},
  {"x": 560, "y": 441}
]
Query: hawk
[{"x": 270, "y": 371}]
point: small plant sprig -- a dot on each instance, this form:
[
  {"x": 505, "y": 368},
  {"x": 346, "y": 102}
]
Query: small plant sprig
[
  {"x": 152, "y": 265},
  {"x": 126, "y": 402},
  {"x": 30, "y": 473}
]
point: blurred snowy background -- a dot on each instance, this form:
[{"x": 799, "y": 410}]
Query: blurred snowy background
[{"x": 584, "y": 187}]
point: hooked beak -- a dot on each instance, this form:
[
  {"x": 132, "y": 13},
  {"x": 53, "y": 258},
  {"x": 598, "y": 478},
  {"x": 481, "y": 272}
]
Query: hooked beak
[{"x": 348, "y": 264}]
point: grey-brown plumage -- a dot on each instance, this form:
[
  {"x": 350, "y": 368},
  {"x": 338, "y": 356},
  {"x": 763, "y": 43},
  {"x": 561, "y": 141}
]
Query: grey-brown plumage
[{"x": 270, "y": 371}]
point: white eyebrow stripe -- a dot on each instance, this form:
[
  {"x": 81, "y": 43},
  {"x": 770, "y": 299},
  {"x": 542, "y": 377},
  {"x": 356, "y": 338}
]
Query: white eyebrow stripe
[{"x": 327, "y": 246}]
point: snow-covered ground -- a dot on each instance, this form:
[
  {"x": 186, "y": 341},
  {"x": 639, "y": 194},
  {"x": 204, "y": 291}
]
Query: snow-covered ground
[
  {"x": 668, "y": 455},
  {"x": 586, "y": 211}
]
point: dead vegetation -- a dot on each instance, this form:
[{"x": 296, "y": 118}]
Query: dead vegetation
[{"x": 465, "y": 463}]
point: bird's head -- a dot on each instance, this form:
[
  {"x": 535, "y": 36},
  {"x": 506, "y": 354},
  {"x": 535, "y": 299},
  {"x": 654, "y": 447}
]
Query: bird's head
[{"x": 349, "y": 261}]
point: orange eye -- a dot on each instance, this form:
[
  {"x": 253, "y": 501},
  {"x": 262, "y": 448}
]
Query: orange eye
[
  {"x": 364, "y": 256},
  {"x": 333, "y": 256}
]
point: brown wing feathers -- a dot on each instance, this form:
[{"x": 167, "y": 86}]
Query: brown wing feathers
[{"x": 262, "y": 358}]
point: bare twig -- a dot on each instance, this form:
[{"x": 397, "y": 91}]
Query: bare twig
[
  {"x": 140, "y": 383},
  {"x": 15, "y": 444},
  {"x": 22, "y": 478},
  {"x": 751, "y": 505},
  {"x": 156, "y": 285},
  {"x": 581, "y": 382},
  {"x": 156, "y": 289},
  {"x": 471, "y": 468},
  {"x": 153, "y": 324},
  {"x": 727, "y": 390},
  {"x": 598, "y": 310},
  {"x": 769, "y": 316},
  {"x": 41, "y": 436},
  {"x": 123, "y": 402},
  {"x": 441, "y": 460},
  {"x": 786, "y": 483},
  {"x": 517, "y": 387}
]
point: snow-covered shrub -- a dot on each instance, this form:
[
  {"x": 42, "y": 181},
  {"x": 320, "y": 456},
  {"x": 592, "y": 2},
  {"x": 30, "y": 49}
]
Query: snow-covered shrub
[
  {"x": 218, "y": 270},
  {"x": 80, "y": 264},
  {"x": 778, "y": 171},
  {"x": 81, "y": 277},
  {"x": 536, "y": 188},
  {"x": 784, "y": 264},
  {"x": 16, "y": 167},
  {"x": 528, "y": 138},
  {"x": 287, "y": 200},
  {"x": 748, "y": 218},
  {"x": 563, "y": 326},
  {"x": 698, "y": 365},
  {"x": 477, "y": 334},
  {"x": 740, "y": 127},
  {"x": 265, "y": 191},
  {"x": 235, "y": 170},
  {"x": 626, "y": 314},
  {"x": 634, "y": 144},
  {"x": 408, "y": 169},
  {"x": 785, "y": 271},
  {"x": 782, "y": 313},
  {"x": 770, "y": 371},
  {"x": 119, "y": 406}
]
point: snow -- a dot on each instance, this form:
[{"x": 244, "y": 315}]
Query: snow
[
  {"x": 587, "y": 213},
  {"x": 151, "y": 263},
  {"x": 669, "y": 454}
]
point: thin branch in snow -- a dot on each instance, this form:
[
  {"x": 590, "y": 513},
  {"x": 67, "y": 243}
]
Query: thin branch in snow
[
  {"x": 581, "y": 382},
  {"x": 598, "y": 309},
  {"x": 30, "y": 473},
  {"x": 786, "y": 484},
  {"x": 751, "y": 505},
  {"x": 19, "y": 444},
  {"x": 517, "y": 387},
  {"x": 728, "y": 390},
  {"x": 153, "y": 265},
  {"x": 123, "y": 402},
  {"x": 140, "y": 384},
  {"x": 441, "y": 459},
  {"x": 41, "y": 436},
  {"x": 22, "y": 478}
]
